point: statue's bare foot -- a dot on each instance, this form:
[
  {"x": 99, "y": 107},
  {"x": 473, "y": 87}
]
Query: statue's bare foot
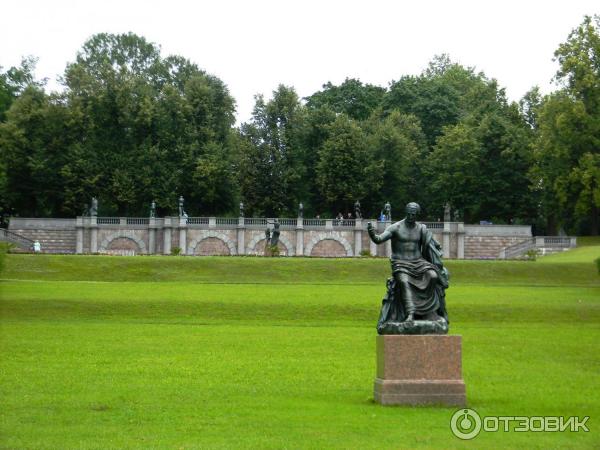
[{"x": 410, "y": 318}]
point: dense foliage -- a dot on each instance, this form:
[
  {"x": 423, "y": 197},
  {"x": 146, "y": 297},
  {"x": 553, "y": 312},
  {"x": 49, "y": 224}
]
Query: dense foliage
[{"x": 131, "y": 127}]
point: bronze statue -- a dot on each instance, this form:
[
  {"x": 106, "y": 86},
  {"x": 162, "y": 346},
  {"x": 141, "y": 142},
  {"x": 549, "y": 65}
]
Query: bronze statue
[
  {"x": 415, "y": 302},
  {"x": 275, "y": 235}
]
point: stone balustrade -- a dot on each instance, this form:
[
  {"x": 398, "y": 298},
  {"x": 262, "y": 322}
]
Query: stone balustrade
[{"x": 210, "y": 236}]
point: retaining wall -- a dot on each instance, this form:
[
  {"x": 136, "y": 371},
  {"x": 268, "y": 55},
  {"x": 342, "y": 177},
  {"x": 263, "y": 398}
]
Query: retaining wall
[{"x": 216, "y": 236}]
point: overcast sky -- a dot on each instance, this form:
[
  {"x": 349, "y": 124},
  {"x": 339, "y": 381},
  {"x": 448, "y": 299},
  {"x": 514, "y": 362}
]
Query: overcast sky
[{"x": 255, "y": 45}]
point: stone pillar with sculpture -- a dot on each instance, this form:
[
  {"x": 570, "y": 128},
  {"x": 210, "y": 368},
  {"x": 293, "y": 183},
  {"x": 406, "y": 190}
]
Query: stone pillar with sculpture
[{"x": 418, "y": 363}]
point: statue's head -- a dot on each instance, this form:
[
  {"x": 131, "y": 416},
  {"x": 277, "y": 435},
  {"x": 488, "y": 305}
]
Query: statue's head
[{"x": 412, "y": 210}]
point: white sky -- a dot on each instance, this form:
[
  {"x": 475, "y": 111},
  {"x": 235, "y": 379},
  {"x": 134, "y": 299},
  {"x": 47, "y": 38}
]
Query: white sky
[{"x": 255, "y": 45}]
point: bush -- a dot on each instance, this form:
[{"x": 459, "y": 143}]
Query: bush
[
  {"x": 597, "y": 261},
  {"x": 176, "y": 251},
  {"x": 365, "y": 253},
  {"x": 532, "y": 254}
]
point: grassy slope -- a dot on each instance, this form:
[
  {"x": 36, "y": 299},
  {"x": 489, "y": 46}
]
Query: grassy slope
[
  {"x": 578, "y": 270},
  {"x": 277, "y": 362}
]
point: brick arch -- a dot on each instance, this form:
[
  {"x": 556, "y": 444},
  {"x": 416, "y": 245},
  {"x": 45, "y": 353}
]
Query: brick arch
[
  {"x": 335, "y": 236},
  {"x": 103, "y": 247},
  {"x": 289, "y": 248},
  {"x": 212, "y": 234}
]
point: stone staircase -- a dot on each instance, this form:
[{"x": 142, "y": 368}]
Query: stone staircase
[
  {"x": 22, "y": 243},
  {"x": 488, "y": 247},
  {"x": 52, "y": 240},
  {"x": 542, "y": 245}
]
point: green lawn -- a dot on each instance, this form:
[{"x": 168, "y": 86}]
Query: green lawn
[{"x": 179, "y": 352}]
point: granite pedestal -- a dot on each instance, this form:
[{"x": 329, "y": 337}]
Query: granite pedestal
[{"x": 419, "y": 370}]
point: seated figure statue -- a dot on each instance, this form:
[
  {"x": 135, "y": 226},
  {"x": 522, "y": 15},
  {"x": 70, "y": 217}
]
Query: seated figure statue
[{"x": 415, "y": 300}]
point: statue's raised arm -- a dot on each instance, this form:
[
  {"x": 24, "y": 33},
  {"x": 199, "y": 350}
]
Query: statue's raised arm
[{"x": 379, "y": 238}]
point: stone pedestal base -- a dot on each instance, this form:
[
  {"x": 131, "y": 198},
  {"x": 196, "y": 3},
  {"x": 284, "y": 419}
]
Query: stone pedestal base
[{"x": 419, "y": 370}]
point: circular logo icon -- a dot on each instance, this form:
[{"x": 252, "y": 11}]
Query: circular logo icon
[{"x": 465, "y": 424}]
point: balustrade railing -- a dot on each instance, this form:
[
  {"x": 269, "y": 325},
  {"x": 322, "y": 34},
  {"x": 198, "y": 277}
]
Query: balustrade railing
[
  {"x": 138, "y": 221},
  {"x": 557, "y": 241},
  {"x": 434, "y": 225},
  {"x": 108, "y": 220},
  {"x": 344, "y": 222},
  {"x": 314, "y": 223},
  {"x": 255, "y": 221},
  {"x": 198, "y": 220},
  {"x": 262, "y": 222},
  {"x": 226, "y": 221}
]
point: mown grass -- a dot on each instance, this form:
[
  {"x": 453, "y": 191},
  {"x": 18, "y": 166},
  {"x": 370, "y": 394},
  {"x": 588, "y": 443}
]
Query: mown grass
[
  {"x": 578, "y": 270},
  {"x": 161, "y": 352}
]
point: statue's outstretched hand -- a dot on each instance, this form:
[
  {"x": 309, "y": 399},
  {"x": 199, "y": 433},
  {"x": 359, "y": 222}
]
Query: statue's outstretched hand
[{"x": 369, "y": 226}]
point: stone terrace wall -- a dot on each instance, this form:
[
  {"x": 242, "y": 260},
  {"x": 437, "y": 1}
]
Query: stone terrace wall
[{"x": 239, "y": 236}]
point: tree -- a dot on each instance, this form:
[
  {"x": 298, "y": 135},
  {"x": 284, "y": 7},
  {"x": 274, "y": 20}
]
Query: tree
[
  {"x": 33, "y": 140},
  {"x": 352, "y": 97},
  {"x": 442, "y": 95},
  {"x": 480, "y": 166},
  {"x": 151, "y": 126},
  {"x": 347, "y": 169},
  {"x": 272, "y": 170},
  {"x": 14, "y": 81},
  {"x": 566, "y": 170},
  {"x": 399, "y": 145}
]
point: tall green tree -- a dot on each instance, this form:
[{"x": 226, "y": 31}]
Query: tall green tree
[
  {"x": 399, "y": 146},
  {"x": 34, "y": 140},
  {"x": 150, "y": 127},
  {"x": 272, "y": 171},
  {"x": 347, "y": 169},
  {"x": 567, "y": 152},
  {"x": 480, "y": 166},
  {"x": 14, "y": 81}
]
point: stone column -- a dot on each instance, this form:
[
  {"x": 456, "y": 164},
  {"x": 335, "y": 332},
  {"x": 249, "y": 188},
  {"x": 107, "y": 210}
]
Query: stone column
[
  {"x": 183, "y": 235},
  {"x": 461, "y": 240},
  {"x": 93, "y": 234},
  {"x": 241, "y": 233},
  {"x": 572, "y": 242},
  {"x": 372, "y": 248},
  {"x": 167, "y": 236},
  {"x": 212, "y": 222},
  {"x": 79, "y": 228},
  {"x": 358, "y": 237},
  {"x": 152, "y": 236},
  {"x": 446, "y": 240},
  {"x": 300, "y": 237}
]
